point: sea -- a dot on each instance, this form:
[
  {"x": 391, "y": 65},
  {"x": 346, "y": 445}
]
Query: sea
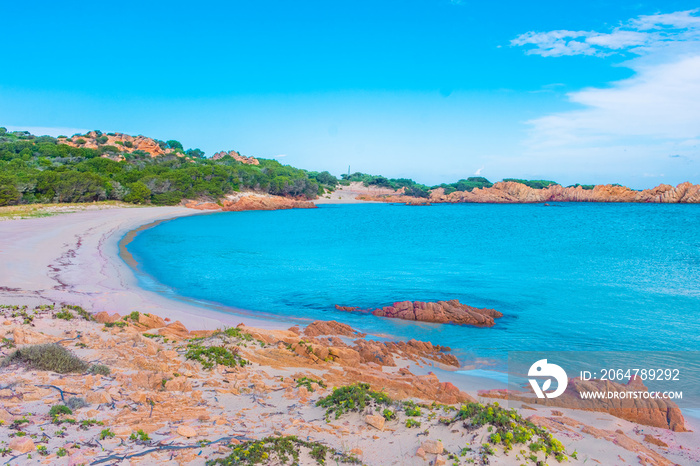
[{"x": 568, "y": 277}]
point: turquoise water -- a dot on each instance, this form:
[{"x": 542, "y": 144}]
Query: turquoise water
[{"x": 577, "y": 276}]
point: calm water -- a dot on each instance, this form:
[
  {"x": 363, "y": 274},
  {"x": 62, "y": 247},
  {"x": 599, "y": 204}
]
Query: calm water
[{"x": 573, "y": 277}]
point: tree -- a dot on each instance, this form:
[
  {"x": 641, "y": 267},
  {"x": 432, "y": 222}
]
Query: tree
[
  {"x": 197, "y": 153},
  {"x": 9, "y": 195},
  {"x": 138, "y": 193},
  {"x": 173, "y": 144}
]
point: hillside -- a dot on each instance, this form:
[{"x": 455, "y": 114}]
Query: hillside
[{"x": 138, "y": 170}]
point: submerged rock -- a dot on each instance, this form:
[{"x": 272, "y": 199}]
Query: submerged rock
[{"x": 440, "y": 312}]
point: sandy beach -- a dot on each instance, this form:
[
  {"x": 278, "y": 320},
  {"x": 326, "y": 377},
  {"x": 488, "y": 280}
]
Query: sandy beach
[{"x": 74, "y": 259}]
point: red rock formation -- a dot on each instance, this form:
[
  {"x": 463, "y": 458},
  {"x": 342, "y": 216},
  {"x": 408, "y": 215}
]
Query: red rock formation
[
  {"x": 121, "y": 141},
  {"x": 236, "y": 156},
  {"x": 440, "y": 312},
  {"x": 511, "y": 192},
  {"x": 254, "y": 202},
  {"x": 650, "y": 412},
  {"x": 330, "y": 327}
]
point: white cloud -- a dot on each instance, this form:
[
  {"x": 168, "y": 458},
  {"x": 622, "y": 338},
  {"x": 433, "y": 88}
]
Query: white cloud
[
  {"x": 640, "y": 35},
  {"x": 478, "y": 172},
  {"x": 636, "y": 123}
]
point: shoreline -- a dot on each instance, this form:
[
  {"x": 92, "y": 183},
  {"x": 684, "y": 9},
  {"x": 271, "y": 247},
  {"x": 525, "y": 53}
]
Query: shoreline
[{"x": 75, "y": 259}]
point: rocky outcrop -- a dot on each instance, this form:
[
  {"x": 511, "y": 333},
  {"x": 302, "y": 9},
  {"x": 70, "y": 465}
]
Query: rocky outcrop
[
  {"x": 236, "y": 156},
  {"x": 250, "y": 201},
  {"x": 511, "y": 192},
  {"x": 440, "y": 312},
  {"x": 259, "y": 202},
  {"x": 649, "y": 412},
  {"x": 330, "y": 327},
  {"x": 121, "y": 141}
]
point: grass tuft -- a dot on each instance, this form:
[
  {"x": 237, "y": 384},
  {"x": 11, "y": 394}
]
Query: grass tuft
[{"x": 48, "y": 357}]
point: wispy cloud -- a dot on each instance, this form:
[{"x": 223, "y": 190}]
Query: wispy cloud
[
  {"x": 644, "y": 118},
  {"x": 639, "y": 35}
]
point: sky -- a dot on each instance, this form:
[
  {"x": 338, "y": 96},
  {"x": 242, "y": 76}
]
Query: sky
[{"x": 435, "y": 90}]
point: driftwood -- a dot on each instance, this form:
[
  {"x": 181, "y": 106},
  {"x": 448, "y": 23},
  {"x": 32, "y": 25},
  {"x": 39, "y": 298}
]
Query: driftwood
[{"x": 167, "y": 447}]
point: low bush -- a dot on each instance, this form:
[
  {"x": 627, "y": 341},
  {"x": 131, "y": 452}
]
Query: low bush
[
  {"x": 354, "y": 397},
  {"x": 48, "y": 357}
]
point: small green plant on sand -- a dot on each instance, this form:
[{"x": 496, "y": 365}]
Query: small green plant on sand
[
  {"x": 508, "y": 428},
  {"x": 209, "y": 356},
  {"x": 281, "y": 450},
  {"x": 411, "y": 409},
  {"x": 412, "y": 423},
  {"x": 100, "y": 369},
  {"x": 48, "y": 357},
  {"x": 388, "y": 414},
  {"x": 106, "y": 433},
  {"x": 307, "y": 382},
  {"x": 64, "y": 314},
  {"x": 355, "y": 397},
  {"x": 57, "y": 410},
  {"x": 140, "y": 435}
]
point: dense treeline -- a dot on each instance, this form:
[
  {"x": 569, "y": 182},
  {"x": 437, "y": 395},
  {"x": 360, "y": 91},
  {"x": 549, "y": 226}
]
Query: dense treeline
[
  {"x": 412, "y": 188},
  {"x": 469, "y": 184},
  {"x": 38, "y": 169}
]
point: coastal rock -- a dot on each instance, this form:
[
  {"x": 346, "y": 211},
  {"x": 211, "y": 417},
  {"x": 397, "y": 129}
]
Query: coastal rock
[
  {"x": 23, "y": 336},
  {"x": 236, "y": 156},
  {"x": 650, "y": 412},
  {"x": 511, "y": 192},
  {"x": 104, "y": 317},
  {"x": 441, "y": 312},
  {"x": 330, "y": 327},
  {"x": 375, "y": 421},
  {"x": 260, "y": 202},
  {"x": 434, "y": 447},
  {"x": 22, "y": 445},
  {"x": 186, "y": 431}
]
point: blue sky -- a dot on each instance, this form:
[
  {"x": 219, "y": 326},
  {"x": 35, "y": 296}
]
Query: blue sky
[{"x": 436, "y": 90}]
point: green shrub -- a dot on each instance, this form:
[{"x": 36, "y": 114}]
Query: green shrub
[
  {"x": 59, "y": 409},
  {"x": 209, "y": 356},
  {"x": 106, "y": 433},
  {"x": 100, "y": 369},
  {"x": 48, "y": 357},
  {"x": 351, "y": 398},
  {"x": 280, "y": 450},
  {"x": 75, "y": 402},
  {"x": 410, "y": 423},
  {"x": 64, "y": 314},
  {"x": 306, "y": 382}
]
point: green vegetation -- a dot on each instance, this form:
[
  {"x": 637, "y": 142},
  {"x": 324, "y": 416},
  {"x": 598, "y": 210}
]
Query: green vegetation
[
  {"x": 354, "y": 397},
  {"x": 411, "y": 409},
  {"x": 100, "y": 369},
  {"x": 534, "y": 184},
  {"x": 140, "y": 435},
  {"x": 307, "y": 382},
  {"x": 469, "y": 184},
  {"x": 106, "y": 433},
  {"x": 40, "y": 170},
  {"x": 412, "y": 188},
  {"x": 47, "y": 357},
  {"x": 583, "y": 186},
  {"x": 280, "y": 450},
  {"x": 508, "y": 428},
  {"x": 59, "y": 409},
  {"x": 410, "y": 423},
  {"x": 209, "y": 356}
]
